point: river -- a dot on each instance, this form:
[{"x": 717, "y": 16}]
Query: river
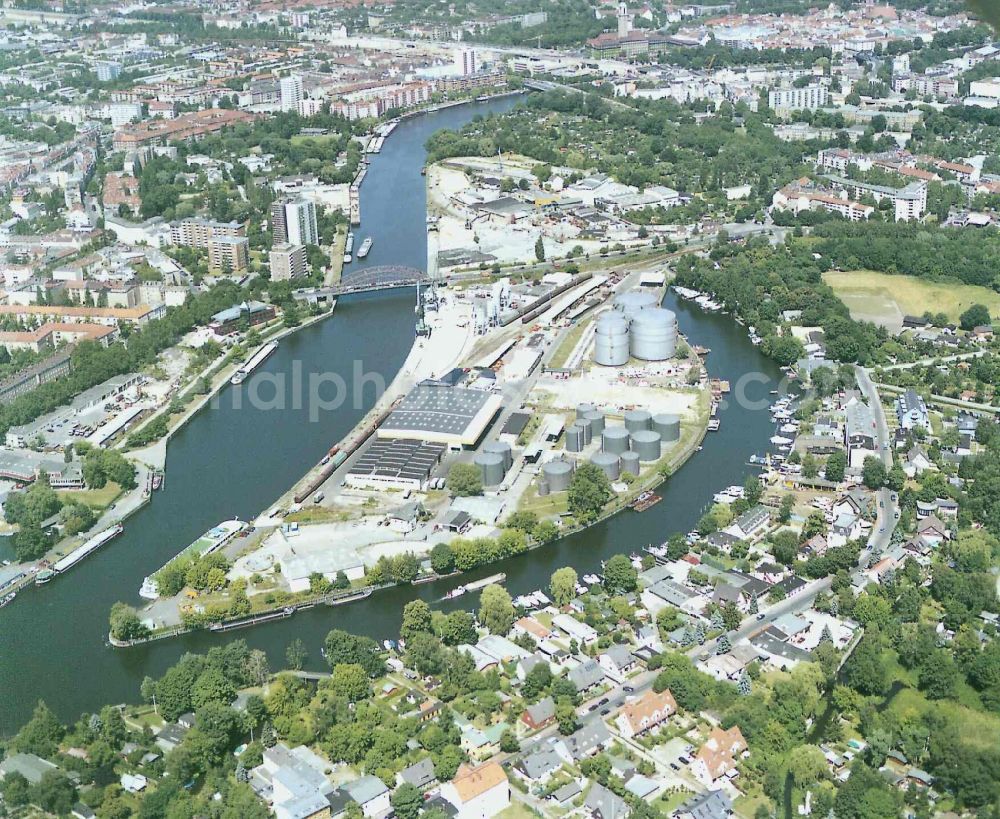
[{"x": 230, "y": 462}]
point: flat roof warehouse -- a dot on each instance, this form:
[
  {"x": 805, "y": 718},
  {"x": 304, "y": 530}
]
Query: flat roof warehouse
[{"x": 455, "y": 416}]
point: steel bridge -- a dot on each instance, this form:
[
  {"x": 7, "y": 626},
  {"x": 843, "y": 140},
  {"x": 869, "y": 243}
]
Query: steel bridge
[{"x": 366, "y": 280}]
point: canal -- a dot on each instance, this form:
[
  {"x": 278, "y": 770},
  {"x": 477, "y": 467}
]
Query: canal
[{"x": 234, "y": 462}]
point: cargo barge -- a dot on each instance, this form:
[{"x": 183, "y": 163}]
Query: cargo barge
[
  {"x": 475, "y": 585},
  {"x": 253, "y": 362},
  {"x": 91, "y": 545}
]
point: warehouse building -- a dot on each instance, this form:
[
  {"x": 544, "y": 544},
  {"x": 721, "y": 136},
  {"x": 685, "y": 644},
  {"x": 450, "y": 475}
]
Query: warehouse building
[
  {"x": 396, "y": 464},
  {"x": 457, "y": 417}
]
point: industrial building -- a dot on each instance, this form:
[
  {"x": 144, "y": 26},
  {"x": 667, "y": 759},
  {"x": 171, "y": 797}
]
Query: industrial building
[
  {"x": 433, "y": 411},
  {"x": 396, "y": 464}
]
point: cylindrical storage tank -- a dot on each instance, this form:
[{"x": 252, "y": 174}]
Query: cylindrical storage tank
[
  {"x": 501, "y": 448},
  {"x": 558, "y": 474},
  {"x": 596, "y": 418},
  {"x": 638, "y": 419},
  {"x": 491, "y": 464},
  {"x": 629, "y": 462},
  {"x": 653, "y": 334},
  {"x": 588, "y": 430},
  {"x": 668, "y": 425},
  {"x": 629, "y": 304},
  {"x": 583, "y": 409},
  {"x": 646, "y": 443},
  {"x": 608, "y": 463},
  {"x": 615, "y": 440},
  {"x": 574, "y": 438},
  {"x": 611, "y": 341},
  {"x": 543, "y": 489}
]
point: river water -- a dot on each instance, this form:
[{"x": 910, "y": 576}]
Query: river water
[{"x": 233, "y": 462}]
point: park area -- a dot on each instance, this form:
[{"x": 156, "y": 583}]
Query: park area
[{"x": 884, "y": 298}]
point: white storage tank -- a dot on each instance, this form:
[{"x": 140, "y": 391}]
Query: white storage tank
[
  {"x": 574, "y": 438},
  {"x": 668, "y": 425},
  {"x": 611, "y": 342},
  {"x": 608, "y": 463},
  {"x": 615, "y": 440},
  {"x": 646, "y": 444},
  {"x": 653, "y": 335},
  {"x": 491, "y": 465},
  {"x": 596, "y": 418},
  {"x": 503, "y": 449},
  {"x": 631, "y": 303},
  {"x": 638, "y": 419},
  {"x": 629, "y": 462},
  {"x": 557, "y": 474}
]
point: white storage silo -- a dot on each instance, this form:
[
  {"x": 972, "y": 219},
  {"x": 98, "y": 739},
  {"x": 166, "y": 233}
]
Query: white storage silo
[
  {"x": 558, "y": 474},
  {"x": 638, "y": 419},
  {"x": 611, "y": 342},
  {"x": 629, "y": 462},
  {"x": 608, "y": 463},
  {"x": 615, "y": 440},
  {"x": 646, "y": 444},
  {"x": 653, "y": 334},
  {"x": 631, "y": 303},
  {"x": 668, "y": 425},
  {"x": 574, "y": 438},
  {"x": 491, "y": 465}
]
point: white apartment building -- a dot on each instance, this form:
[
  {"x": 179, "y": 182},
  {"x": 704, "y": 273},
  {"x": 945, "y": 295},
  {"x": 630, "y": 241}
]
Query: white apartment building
[
  {"x": 798, "y": 99},
  {"x": 291, "y": 92}
]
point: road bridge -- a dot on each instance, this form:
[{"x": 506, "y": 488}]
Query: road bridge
[{"x": 366, "y": 280}]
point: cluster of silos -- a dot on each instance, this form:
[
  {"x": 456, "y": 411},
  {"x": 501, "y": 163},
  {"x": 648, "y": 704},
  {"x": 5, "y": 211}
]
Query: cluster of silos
[
  {"x": 638, "y": 328},
  {"x": 611, "y": 344},
  {"x": 494, "y": 461}
]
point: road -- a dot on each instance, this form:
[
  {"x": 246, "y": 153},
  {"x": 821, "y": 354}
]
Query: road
[
  {"x": 887, "y": 512},
  {"x": 923, "y": 362}
]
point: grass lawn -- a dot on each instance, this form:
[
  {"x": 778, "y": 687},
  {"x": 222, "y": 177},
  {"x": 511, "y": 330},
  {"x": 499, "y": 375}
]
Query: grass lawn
[
  {"x": 978, "y": 728},
  {"x": 869, "y": 294},
  {"x": 568, "y": 344},
  {"x": 98, "y": 499},
  {"x": 321, "y": 139},
  {"x": 517, "y": 810}
]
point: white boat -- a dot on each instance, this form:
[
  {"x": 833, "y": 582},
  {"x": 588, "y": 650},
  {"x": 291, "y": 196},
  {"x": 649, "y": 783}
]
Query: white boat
[
  {"x": 349, "y": 245},
  {"x": 92, "y": 544},
  {"x": 347, "y": 258},
  {"x": 7, "y": 598},
  {"x": 253, "y": 362},
  {"x": 366, "y": 247}
]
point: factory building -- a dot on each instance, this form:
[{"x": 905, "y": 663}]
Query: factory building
[
  {"x": 395, "y": 464},
  {"x": 457, "y": 417}
]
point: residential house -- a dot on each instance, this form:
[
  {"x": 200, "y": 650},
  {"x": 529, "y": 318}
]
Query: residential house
[
  {"x": 844, "y": 528},
  {"x": 751, "y": 525},
  {"x": 481, "y": 744},
  {"x": 707, "y": 805},
  {"x": 859, "y": 432},
  {"x": 478, "y": 793},
  {"x": 292, "y": 781},
  {"x": 603, "y": 804},
  {"x": 419, "y": 774},
  {"x": 645, "y": 713},
  {"x": 933, "y": 530},
  {"x": 539, "y": 714},
  {"x": 370, "y": 794},
  {"x": 617, "y": 661},
  {"x": 30, "y": 766},
  {"x": 917, "y": 462},
  {"x": 530, "y": 626},
  {"x": 670, "y": 593},
  {"x": 170, "y": 736},
  {"x": 537, "y": 767},
  {"x": 591, "y": 738},
  {"x": 586, "y": 675},
  {"x": 911, "y": 411},
  {"x": 718, "y": 756},
  {"x": 574, "y": 629}
]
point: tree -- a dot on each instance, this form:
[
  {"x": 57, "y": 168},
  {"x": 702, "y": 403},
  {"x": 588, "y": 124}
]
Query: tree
[
  {"x": 562, "y": 585},
  {"x": 939, "y": 676},
  {"x": 566, "y": 719},
  {"x": 589, "y": 490},
  {"x": 836, "y": 464},
  {"x": 496, "y": 611},
  {"x": 785, "y": 508},
  {"x": 465, "y": 480},
  {"x": 976, "y": 316},
  {"x": 257, "y": 668},
  {"x": 407, "y": 801},
  {"x": 212, "y": 686},
  {"x": 54, "y": 793},
  {"x": 125, "y": 623},
  {"x": 873, "y": 472},
  {"x": 807, "y": 765},
  {"x": 723, "y": 646},
  {"x": 731, "y": 616},
  {"x": 442, "y": 558},
  {"x": 416, "y": 618},
  {"x": 344, "y": 648},
  {"x": 41, "y": 735},
  {"x": 540, "y": 249},
  {"x": 620, "y": 576},
  {"x": 864, "y": 670},
  {"x": 457, "y": 627},
  {"x": 296, "y": 654},
  {"x": 508, "y": 741},
  {"x": 349, "y": 680},
  {"x": 752, "y": 490}
]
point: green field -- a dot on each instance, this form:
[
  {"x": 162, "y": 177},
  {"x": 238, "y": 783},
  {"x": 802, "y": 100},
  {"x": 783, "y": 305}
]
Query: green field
[{"x": 884, "y": 298}]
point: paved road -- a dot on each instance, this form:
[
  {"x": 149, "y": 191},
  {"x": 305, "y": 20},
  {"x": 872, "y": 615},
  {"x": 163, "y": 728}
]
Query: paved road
[
  {"x": 888, "y": 511},
  {"x": 938, "y": 360}
]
